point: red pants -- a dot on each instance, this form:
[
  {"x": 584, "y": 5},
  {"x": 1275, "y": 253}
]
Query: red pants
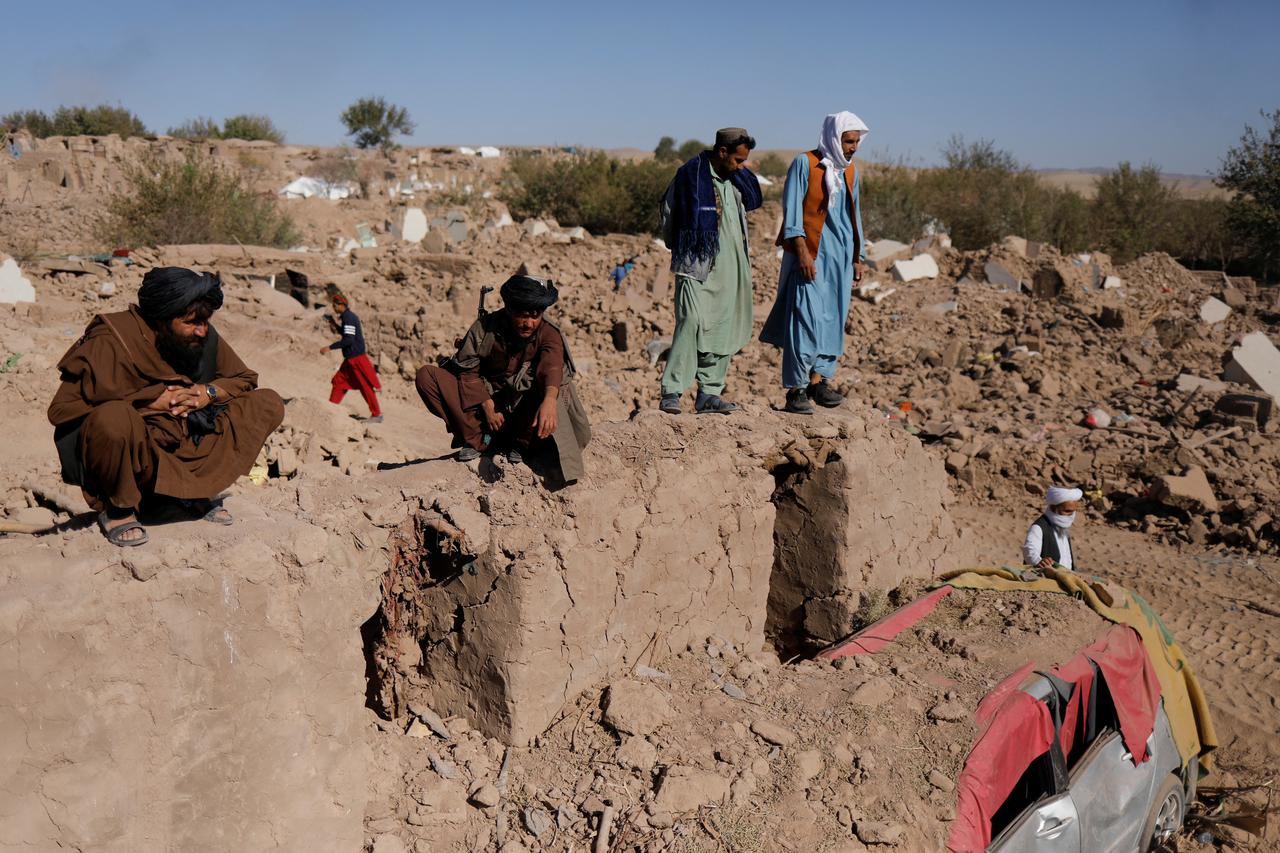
[{"x": 356, "y": 374}]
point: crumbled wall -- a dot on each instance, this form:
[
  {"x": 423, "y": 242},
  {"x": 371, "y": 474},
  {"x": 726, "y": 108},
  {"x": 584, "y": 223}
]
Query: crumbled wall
[
  {"x": 202, "y": 693},
  {"x": 670, "y": 541},
  {"x": 869, "y": 516}
]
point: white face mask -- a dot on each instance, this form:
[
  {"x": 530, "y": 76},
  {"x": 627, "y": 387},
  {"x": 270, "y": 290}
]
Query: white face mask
[{"x": 1063, "y": 521}]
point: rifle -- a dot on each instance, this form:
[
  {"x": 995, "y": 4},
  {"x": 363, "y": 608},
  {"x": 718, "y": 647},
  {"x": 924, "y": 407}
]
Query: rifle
[{"x": 481, "y": 313}]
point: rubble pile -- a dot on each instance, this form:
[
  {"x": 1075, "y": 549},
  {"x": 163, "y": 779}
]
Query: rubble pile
[{"x": 858, "y": 755}]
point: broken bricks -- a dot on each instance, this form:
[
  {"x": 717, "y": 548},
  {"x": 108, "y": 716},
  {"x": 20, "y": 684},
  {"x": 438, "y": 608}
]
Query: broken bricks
[
  {"x": 1192, "y": 491},
  {"x": 1256, "y": 362}
]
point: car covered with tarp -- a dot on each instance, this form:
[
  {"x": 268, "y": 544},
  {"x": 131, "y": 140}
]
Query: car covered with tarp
[{"x": 1101, "y": 752}]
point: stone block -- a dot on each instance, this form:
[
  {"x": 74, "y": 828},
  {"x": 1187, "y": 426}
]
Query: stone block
[
  {"x": 14, "y": 286},
  {"x": 882, "y": 253},
  {"x": 998, "y": 275},
  {"x": 1255, "y": 408},
  {"x": 1188, "y": 382},
  {"x": 1192, "y": 491},
  {"x": 1234, "y": 297},
  {"x": 921, "y": 266},
  {"x": 1255, "y": 362},
  {"x": 1017, "y": 244},
  {"x": 1214, "y": 311},
  {"x": 413, "y": 225}
]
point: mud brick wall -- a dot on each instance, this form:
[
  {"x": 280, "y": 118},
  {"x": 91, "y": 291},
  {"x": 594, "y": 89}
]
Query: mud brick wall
[
  {"x": 203, "y": 693},
  {"x": 669, "y": 542},
  {"x": 871, "y": 517}
]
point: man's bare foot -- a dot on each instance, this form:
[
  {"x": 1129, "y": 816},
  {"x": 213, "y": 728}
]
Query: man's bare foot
[{"x": 124, "y": 532}]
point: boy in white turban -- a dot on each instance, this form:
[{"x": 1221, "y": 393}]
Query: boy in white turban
[{"x": 1048, "y": 542}]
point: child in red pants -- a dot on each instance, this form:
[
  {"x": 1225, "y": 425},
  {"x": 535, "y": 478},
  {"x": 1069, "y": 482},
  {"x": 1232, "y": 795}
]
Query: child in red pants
[{"x": 356, "y": 372}]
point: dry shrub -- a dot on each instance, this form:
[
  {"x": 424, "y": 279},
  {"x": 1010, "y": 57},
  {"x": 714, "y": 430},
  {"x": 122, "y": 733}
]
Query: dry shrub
[
  {"x": 192, "y": 200},
  {"x": 335, "y": 169},
  {"x": 589, "y": 189}
]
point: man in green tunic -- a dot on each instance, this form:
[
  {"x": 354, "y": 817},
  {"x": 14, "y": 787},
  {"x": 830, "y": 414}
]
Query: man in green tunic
[{"x": 704, "y": 223}]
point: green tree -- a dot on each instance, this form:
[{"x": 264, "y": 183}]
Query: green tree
[
  {"x": 374, "y": 123},
  {"x": 97, "y": 121},
  {"x": 245, "y": 126},
  {"x": 980, "y": 194},
  {"x": 197, "y": 128},
  {"x": 689, "y": 149},
  {"x": 1131, "y": 210},
  {"x": 589, "y": 189},
  {"x": 1251, "y": 171},
  {"x": 666, "y": 149},
  {"x": 35, "y": 121},
  {"x": 192, "y": 200},
  {"x": 77, "y": 121}
]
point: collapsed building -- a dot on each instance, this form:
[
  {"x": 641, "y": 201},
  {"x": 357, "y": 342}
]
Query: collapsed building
[{"x": 286, "y": 683}]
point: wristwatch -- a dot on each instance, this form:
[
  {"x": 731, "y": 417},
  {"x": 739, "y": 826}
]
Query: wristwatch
[{"x": 211, "y": 391}]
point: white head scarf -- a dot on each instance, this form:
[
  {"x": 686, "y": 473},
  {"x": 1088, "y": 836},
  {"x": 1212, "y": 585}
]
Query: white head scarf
[
  {"x": 1058, "y": 495},
  {"x": 833, "y": 127}
]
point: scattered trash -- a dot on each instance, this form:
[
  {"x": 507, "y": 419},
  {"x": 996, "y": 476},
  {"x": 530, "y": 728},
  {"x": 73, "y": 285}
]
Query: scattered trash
[
  {"x": 1097, "y": 418},
  {"x": 317, "y": 188}
]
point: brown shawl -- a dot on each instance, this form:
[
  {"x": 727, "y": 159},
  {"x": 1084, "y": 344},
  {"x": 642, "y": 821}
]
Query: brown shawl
[{"x": 117, "y": 359}]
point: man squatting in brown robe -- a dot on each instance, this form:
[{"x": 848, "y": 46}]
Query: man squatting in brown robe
[
  {"x": 510, "y": 387},
  {"x": 154, "y": 402}
]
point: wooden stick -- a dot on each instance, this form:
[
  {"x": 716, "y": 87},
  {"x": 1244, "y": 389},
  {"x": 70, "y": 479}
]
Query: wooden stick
[
  {"x": 1201, "y": 442},
  {"x": 19, "y": 527},
  {"x": 602, "y": 837},
  {"x": 1195, "y": 392}
]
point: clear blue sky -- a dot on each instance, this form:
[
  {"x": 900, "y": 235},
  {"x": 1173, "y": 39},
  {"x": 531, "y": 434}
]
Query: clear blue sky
[{"x": 1058, "y": 84}]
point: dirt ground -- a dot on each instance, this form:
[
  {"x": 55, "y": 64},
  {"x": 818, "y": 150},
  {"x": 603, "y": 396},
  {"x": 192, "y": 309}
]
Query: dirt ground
[{"x": 996, "y": 388}]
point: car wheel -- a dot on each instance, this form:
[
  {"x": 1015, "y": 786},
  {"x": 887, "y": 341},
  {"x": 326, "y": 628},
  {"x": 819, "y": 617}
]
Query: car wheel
[{"x": 1165, "y": 818}]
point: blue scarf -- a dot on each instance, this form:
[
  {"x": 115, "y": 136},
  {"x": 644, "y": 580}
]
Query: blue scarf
[{"x": 693, "y": 206}]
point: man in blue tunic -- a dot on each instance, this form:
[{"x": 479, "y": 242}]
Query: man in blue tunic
[{"x": 823, "y": 250}]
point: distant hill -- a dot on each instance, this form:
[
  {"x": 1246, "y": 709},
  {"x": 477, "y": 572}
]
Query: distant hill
[{"x": 1083, "y": 181}]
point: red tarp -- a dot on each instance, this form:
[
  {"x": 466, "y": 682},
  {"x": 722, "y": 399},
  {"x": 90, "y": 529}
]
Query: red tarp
[
  {"x": 1006, "y": 716},
  {"x": 876, "y": 636}
]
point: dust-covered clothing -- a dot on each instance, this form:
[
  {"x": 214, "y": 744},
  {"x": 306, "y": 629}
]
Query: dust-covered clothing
[
  {"x": 117, "y": 451},
  {"x": 492, "y": 364},
  {"x": 808, "y": 317},
  {"x": 713, "y": 315}
]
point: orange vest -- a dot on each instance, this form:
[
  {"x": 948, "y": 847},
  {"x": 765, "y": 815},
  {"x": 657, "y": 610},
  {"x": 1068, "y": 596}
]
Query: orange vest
[{"x": 815, "y": 207}]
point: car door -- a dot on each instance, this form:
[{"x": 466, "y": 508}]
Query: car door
[
  {"x": 1112, "y": 795},
  {"x": 1050, "y": 825}
]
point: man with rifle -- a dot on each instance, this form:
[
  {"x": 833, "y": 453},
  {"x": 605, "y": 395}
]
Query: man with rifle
[{"x": 509, "y": 389}]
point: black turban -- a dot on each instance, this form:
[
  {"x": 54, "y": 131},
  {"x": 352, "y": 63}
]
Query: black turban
[
  {"x": 169, "y": 292},
  {"x": 528, "y": 293}
]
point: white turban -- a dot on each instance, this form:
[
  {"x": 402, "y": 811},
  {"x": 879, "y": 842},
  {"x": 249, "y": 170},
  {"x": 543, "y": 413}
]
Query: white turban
[
  {"x": 1058, "y": 495},
  {"x": 833, "y": 127}
]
